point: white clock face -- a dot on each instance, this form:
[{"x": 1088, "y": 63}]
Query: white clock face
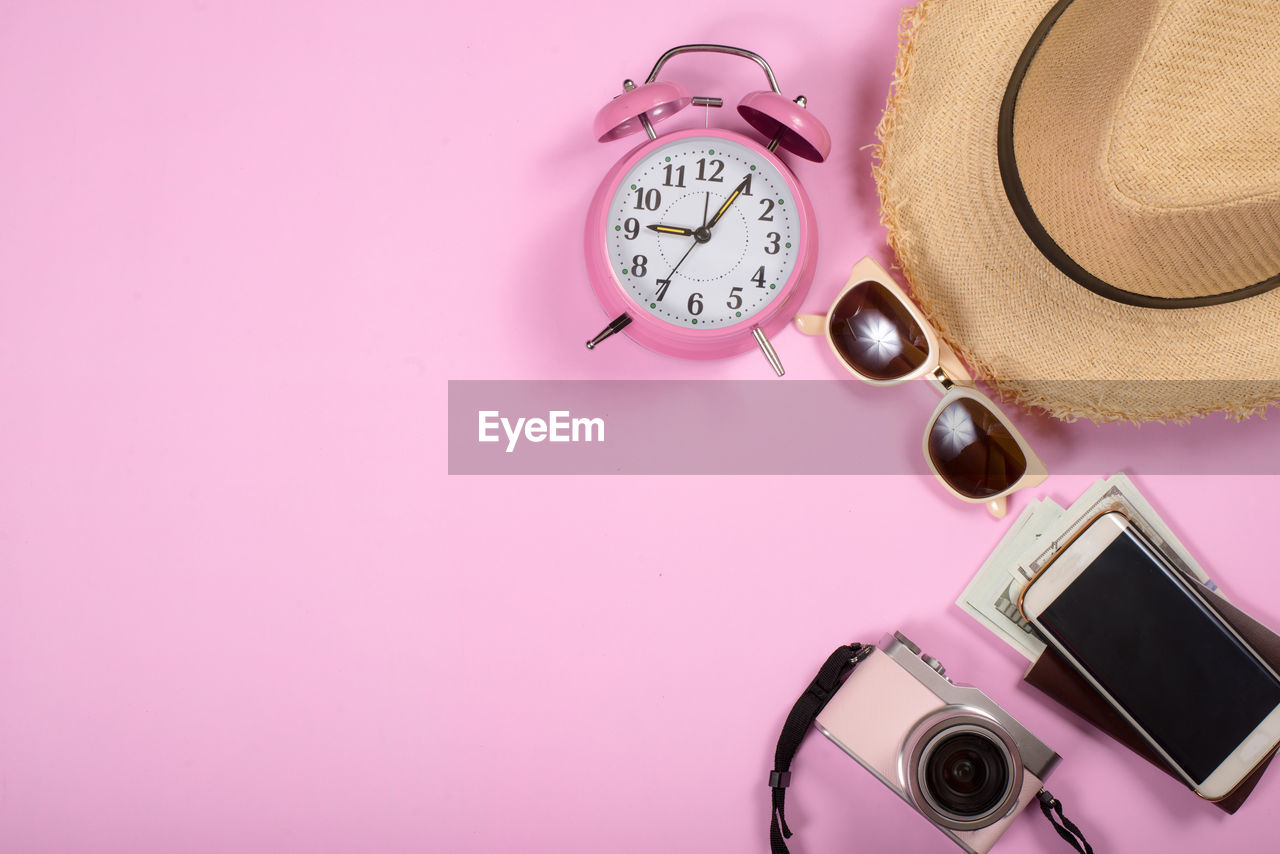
[{"x": 703, "y": 232}]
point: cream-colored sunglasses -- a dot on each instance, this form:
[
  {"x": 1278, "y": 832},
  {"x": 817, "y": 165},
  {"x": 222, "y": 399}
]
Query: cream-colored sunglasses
[{"x": 883, "y": 339}]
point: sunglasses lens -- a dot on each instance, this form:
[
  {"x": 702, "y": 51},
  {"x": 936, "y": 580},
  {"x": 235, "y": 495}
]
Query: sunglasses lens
[
  {"x": 875, "y": 334},
  {"x": 973, "y": 450}
]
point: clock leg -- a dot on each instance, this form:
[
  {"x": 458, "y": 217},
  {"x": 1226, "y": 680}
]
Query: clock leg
[
  {"x": 618, "y": 324},
  {"x": 769, "y": 352}
]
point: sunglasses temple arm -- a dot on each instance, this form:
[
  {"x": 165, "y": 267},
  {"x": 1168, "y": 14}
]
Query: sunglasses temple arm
[{"x": 811, "y": 324}]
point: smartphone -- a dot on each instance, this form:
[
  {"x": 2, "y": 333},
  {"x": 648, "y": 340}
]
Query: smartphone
[{"x": 1149, "y": 640}]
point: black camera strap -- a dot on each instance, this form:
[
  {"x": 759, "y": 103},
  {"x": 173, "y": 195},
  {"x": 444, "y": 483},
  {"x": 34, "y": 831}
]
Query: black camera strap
[
  {"x": 1067, "y": 829},
  {"x": 806, "y": 709},
  {"x": 811, "y": 702}
]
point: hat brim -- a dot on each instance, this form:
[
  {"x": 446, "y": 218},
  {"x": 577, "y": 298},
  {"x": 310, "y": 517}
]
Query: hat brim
[{"x": 1036, "y": 335}]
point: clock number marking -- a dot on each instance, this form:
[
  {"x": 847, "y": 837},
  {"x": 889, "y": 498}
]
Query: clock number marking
[
  {"x": 648, "y": 200},
  {"x": 715, "y": 176}
]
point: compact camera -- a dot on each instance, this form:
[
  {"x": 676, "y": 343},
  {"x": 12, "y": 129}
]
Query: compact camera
[{"x": 950, "y": 752}]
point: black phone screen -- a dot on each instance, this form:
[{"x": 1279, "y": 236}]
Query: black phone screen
[{"x": 1163, "y": 656}]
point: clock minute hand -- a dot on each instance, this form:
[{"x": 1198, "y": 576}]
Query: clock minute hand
[{"x": 737, "y": 191}]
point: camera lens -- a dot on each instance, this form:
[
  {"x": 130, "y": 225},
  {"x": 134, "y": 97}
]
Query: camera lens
[{"x": 967, "y": 774}]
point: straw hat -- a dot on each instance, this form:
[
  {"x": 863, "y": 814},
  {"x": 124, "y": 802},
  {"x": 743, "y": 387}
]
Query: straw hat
[{"x": 1084, "y": 197}]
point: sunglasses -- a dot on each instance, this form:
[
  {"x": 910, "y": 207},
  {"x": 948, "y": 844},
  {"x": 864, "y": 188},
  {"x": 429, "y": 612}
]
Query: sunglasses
[{"x": 883, "y": 339}]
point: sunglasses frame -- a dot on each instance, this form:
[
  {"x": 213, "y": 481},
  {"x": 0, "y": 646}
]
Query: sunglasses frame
[{"x": 944, "y": 370}]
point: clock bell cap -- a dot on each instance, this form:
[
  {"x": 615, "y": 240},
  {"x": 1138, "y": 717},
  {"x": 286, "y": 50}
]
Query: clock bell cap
[{"x": 656, "y": 101}]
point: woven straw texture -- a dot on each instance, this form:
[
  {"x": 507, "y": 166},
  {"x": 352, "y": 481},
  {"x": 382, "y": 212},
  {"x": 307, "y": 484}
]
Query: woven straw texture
[{"x": 1148, "y": 139}]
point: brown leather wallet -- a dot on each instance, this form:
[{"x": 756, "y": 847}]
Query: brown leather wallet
[{"x": 1054, "y": 676}]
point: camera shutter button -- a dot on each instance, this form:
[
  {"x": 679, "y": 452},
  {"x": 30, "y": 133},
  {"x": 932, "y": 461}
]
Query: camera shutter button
[
  {"x": 906, "y": 641},
  {"x": 935, "y": 664}
]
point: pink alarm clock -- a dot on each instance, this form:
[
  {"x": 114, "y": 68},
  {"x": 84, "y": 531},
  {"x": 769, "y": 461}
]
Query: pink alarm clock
[{"x": 701, "y": 243}]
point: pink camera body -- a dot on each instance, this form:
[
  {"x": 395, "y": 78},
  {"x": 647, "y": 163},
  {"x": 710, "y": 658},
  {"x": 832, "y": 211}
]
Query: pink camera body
[{"x": 950, "y": 752}]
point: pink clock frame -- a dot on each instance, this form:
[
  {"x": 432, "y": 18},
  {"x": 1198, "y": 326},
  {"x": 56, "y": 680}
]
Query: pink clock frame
[{"x": 663, "y": 337}]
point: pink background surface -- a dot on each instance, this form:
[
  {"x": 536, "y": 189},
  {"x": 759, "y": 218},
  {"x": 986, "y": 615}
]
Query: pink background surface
[{"x": 242, "y": 605}]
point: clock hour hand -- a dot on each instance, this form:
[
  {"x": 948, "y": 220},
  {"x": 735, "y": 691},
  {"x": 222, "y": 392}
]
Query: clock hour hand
[
  {"x": 672, "y": 229},
  {"x": 733, "y": 197}
]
